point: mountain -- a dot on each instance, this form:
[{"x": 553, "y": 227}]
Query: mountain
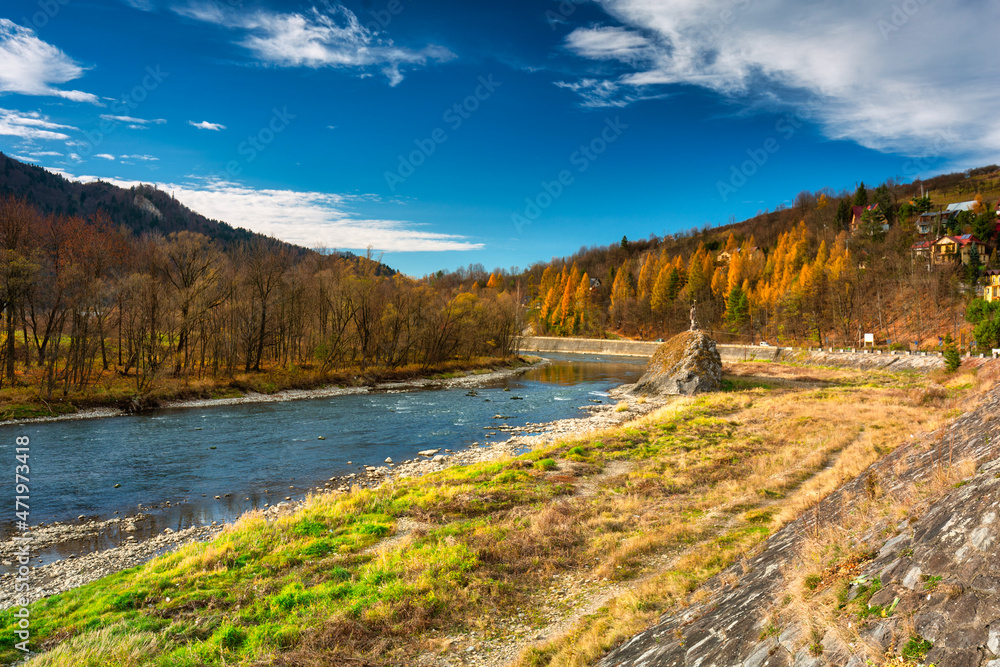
[{"x": 142, "y": 209}]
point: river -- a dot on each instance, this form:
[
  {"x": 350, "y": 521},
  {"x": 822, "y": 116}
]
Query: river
[{"x": 172, "y": 463}]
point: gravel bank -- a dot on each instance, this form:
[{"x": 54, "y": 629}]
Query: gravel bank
[
  {"x": 471, "y": 380},
  {"x": 74, "y": 571}
]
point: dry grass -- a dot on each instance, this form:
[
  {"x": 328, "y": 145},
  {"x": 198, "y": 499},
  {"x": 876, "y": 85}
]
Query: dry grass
[
  {"x": 707, "y": 480},
  {"x": 794, "y": 447}
]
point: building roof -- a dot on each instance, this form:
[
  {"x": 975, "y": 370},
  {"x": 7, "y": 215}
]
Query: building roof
[
  {"x": 963, "y": 240},
  {"x": 858, "y": 211},
  {"x": 921, "y": 245},
  {"x": 961, "y": 206},
  {"x": 966, "y": 239}
]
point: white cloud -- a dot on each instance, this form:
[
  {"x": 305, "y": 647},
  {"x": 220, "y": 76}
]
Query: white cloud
[
  {"x": 611, "y": 43},
  {"x": 105, "y": 156},
  {"x": 205, "y": 125},
  {"x": 920, "y": 83},
  {"x": 144, "y": 158},
  {"x": 46, "y": 154},
  {"x": 141, "y": 5},
  {"x": 134, "y": 123},
  {"x": 30, "y": 66},
  {"x": 310, "y": 219},
  {"x": 332, "y": 38},
  {"x": 31, "y": 125}
]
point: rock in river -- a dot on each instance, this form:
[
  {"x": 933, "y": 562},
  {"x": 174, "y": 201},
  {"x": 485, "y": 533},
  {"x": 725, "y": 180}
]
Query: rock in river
[{"x": 686, "y": 364}]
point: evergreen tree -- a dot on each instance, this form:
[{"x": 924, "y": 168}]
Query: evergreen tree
[
  {"x": 972, "y": 270},
  {"x": 952, "y": 359},
  {"x": 844, "y": 213},
  {"x": 861, "y": 195},
  {"x": 883, "y": 198},
  {"x": 737, "y": 308}
]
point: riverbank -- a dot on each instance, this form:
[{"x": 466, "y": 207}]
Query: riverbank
[
  {"x": 552, "y": 553},
  {"x": 269, "y": 388},
  {"x": 68, "y": 573}
]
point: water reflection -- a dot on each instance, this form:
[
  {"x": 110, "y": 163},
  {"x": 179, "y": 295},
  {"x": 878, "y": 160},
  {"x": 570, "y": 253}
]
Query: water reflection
[{"x": 172, "y": 464}]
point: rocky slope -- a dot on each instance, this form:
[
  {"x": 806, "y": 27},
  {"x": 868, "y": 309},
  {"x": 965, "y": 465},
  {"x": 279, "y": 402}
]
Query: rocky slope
[{"x": 935, "y": 575}]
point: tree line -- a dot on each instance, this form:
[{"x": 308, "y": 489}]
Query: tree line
[
  {"x": 85, "y": 299},
  {"x": 800, "y": 275}
]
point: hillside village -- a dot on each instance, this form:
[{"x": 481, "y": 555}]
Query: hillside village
[{"x": 905, "y": 262}]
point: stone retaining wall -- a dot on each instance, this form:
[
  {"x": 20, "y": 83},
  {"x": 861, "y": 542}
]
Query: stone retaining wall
[{"x": 741, "y": 353}]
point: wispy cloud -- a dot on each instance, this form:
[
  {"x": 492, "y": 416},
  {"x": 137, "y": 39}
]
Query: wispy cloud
[
  {"x": 30, "y": 66},
  {"x": 610, "y": 42},
  {"x": 315, "y": 39},
  {"x": 310, "y": 219},
  {"x": 141, "y": 5},
  {"x": 865, "y": 74},
  {"x": 144, "y": 158},
  {"x": 106, "y": 156},
  {"x": 134, "y": 123},
  {"x": 31, "y": 125},
  {"x": 205, "y": 125}
]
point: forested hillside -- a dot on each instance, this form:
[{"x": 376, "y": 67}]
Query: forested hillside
[
  {"x": 141, "y": 209},
  {"x": 824, "y": 271},
  {"x": 93, "y": 310}
]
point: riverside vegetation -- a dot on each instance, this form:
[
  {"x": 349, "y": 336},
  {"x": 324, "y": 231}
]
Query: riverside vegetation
[
  {"x": 97, "y": 315},
  {"x": 657, "y": 507}
]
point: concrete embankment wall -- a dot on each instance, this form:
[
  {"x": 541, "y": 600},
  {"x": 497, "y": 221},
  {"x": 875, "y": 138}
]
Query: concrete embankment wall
[
  {"x": 613, "y": 348},
  {"x": 738, "y": 353}
]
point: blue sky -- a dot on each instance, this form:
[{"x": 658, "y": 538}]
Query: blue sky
[{"x": 447, "y": 133}]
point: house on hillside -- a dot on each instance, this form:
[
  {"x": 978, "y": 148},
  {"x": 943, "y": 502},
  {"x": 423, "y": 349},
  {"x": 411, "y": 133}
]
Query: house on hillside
[
  {"x": 595, "y": 284},
  {"x": 921, "y": 250},
  {"x": 955, "y": 209},
  {"x": 724, "y": 257},
  {"x": 858, "y": 213},
  {"x": 931, "y": 222},
  {"x": 992, "y": 290},
  {"x": 949, "y": 249}
]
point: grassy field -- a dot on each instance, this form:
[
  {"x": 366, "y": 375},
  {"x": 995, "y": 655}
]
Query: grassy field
[
  {"x": 24, "y": 400},
  {"x": 700, "y": 482}
]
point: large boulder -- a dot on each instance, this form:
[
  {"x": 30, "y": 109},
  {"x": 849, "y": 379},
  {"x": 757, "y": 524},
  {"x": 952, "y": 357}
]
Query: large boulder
[{"x": 686, "y": 364}]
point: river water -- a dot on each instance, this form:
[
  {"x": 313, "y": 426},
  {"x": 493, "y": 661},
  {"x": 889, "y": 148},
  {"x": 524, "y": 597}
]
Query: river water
[{"x": 259, "y": 453}]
